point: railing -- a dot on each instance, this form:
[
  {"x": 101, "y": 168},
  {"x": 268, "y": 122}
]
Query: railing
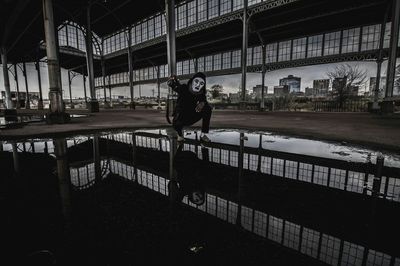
[{"x": 336, "y": 106}]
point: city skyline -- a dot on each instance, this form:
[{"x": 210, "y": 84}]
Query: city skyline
[{"x": 230, "y": 83}]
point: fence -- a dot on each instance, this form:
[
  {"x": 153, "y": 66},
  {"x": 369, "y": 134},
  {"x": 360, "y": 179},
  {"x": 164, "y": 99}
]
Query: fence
[{"x": 335, "y": 106}]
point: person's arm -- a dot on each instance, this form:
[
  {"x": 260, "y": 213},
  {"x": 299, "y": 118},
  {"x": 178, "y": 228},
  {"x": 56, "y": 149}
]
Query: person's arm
[
  {"x": 174, "y": 84},
  {"x": 201, "y": 102}
]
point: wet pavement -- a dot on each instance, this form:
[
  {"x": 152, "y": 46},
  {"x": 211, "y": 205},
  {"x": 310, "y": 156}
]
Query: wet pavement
[{"x": 246, "y": 197}]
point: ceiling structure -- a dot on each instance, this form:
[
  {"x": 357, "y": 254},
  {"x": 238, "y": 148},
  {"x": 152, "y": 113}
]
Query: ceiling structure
[{"x": 21, "y": 27}]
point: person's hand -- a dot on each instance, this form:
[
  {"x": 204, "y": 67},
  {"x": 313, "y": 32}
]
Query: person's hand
[
  {"x": 199, "y": 106},
  {"x": 173, "y": 81}
]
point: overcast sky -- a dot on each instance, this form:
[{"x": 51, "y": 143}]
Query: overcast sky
[{"x": 230, "y": 83}]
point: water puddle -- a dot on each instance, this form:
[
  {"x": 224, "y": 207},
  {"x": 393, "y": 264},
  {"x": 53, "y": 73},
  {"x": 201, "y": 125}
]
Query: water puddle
[{"x": 134, "y": 197}]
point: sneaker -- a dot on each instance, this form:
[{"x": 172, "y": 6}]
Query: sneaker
[
  {"x": 205, "y": 138},
  {"x": 180, "y": 139}
]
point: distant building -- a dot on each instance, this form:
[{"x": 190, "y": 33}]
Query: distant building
[
  {"x": 281, "y": 90},
  {"x": 234, "y": 97},
  {"x": 321, "y": 87},
  {"x": 257, "y": 91},
  {"x": 310, "y": 92},
  {"x": 294, "y": 83},
  {"x": 382, "y": 86},
  {"x": 353, "y": 91},
  {"x": 338, "y": 84}
]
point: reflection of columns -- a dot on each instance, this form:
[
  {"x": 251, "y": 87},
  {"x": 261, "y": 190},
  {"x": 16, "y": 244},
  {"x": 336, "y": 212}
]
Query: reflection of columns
[
  {"x": 17, "y": 84},
  {"x": 6, "y": 79},
  {"x": 94, "y": 104},
  {"x": 172, "y": 150},
  {"x": 158, "y": 88},
  {"x": 63, "y": 172},
  {"x": 57, "y": 109},
  {"x": 96, "y": 157},
  {"x": 40, "y": 102},
  {"x": 245, "y": 21},
  {"x": 1, "y": 146},
  {"x": 134, "y": 157},
  {"x": 171, "y": 36},
  {"x": 259, "y": 154},
  {"x": 27, "y": 100},
  {"x": 240, "y": 178},
  {"x": 15, "y": 158},
  {"x": 394, "y": 37}
]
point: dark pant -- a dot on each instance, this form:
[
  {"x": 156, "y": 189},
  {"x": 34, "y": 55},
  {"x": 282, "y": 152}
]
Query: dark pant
[{"x": 189, "y": 117}]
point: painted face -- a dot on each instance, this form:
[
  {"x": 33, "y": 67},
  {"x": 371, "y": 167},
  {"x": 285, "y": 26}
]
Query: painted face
[{"x": 197, "y": 85}]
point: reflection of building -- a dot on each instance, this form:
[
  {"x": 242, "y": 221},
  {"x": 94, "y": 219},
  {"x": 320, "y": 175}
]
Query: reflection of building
[
  {"x": 281, "y": 90},
  {"x": 292, "y": 82},
  {"x": 321, "y": 87}
]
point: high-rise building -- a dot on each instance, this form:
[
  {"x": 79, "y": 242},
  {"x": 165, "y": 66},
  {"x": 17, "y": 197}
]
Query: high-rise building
[
  {"x": 294, "y": 83},
  {"x": 257, "y": 91},
  {"x": 281, "y": 90},
  {"x": 382, "y": 86},
  {"x": 321, "y": 87},
  {"x": 338, "y": 84}
]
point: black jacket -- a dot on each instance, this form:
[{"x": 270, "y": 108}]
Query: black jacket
[{"x": 186, "y": 100}]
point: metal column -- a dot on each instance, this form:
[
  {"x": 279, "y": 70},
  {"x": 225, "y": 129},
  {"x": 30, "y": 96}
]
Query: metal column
[
  {"x": 171, "y": 36},
  {"x": 27, "y": 100},
  {"x": 57, "y": 110},
  {"x": 394, "y": 37},
  {"x": 158, "y": 89},
  {"x": 109, "y": 88},
  {"x": 93, "y": 104},
  {"x": 40, "y": 102},
  {"x": 84, "y": 88},
  {"x": 6, "y": 78},
  {"x": 245, "y": 20},
  {"x": 130, "y": 67},
  {"x": 70, "y": 89},
  {"x": 263, "y": 72},
  {"x": 103, "y": 73},
  {"x": 17, "y": 84}
]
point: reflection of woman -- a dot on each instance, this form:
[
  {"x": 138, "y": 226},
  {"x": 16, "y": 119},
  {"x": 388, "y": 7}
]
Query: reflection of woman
[{"x": 189, "y": 180}]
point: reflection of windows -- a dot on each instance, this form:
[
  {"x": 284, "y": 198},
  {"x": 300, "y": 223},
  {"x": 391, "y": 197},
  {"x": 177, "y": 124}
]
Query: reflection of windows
[
  {"x": 299, "y": 48},
  {"x": 213, "y": 8},
  {"x": 309, "y": 244},
  {"x": 217, "y": 61},
  {"x": 352, "y": 254},
  {"x": 182, "y": 16},
  {"x": 260, "y": 223},
  {"x": 191, "y": 12},
  {"x": 202, "y": 10},
  {"x": 332, "y": 43},
  {"x": 314, "y": 46},
  {"x": 291, "y": 235},
  {"x": 370, "y": 37},
  {"x": 226, "y": 6},
  {"x": 226, "y": 60},
  {"x": 284, "y": 51},
  {"x": 275, "y": 229},
  {"x": 257, "y": 55},
  {"x": 377, "y": 258},
  {"x": 330, "y": 249},
  {"x": 236, "y": 58},
  {"x": 351, "y": 40},
  {"x": 271, "y": 52}
]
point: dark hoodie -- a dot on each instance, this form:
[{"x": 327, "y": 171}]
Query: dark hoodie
[{"x": 187, "y": 101}]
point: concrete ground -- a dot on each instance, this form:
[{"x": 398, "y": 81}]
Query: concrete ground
[{"x": 375, "y": 131}]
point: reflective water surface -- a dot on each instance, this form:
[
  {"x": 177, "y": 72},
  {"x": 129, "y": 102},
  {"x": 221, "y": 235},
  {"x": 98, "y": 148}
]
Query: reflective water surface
[{"x": 245, "y": 198}]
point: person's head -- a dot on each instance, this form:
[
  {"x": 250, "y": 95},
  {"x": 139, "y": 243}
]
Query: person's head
[
  {"x": 197, "y": 197},
  {"x": 197, "y": 83}
]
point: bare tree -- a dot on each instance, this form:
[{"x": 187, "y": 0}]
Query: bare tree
[
  {"x": 345, "y": 78},
  {"x": 216, "y": 90}
]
